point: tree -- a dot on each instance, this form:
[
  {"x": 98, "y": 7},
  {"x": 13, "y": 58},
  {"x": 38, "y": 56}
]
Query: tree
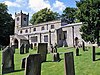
[
  {"x": 6, "y": 25},
  {"x": 89, "y": 14},
  {"x": 69, "y": 15},
  {"x": 44, "y": 15}
]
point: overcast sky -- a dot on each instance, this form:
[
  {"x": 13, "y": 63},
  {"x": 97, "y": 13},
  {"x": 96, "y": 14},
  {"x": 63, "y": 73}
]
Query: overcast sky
[{"x": 32, "y": 6}]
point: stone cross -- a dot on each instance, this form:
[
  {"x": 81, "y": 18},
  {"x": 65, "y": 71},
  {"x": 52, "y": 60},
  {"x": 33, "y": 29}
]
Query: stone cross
[{"x": 33, "y": 65}]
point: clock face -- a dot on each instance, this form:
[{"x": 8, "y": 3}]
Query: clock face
[{"x": 24, "y": 19}]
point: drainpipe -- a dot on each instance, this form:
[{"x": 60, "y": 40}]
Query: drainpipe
[
  {"x": 40, "y": 37},
  {"x": 73, "y": 34}
]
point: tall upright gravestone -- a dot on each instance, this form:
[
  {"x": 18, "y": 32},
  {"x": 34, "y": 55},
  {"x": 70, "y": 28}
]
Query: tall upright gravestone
[
  {"x": 93, "y": 53},
  {"x": 27, "y": 48},
  {"x": 22, "y": 49},
  {"x": 83, "y": 45},
  {"x": 31, "y": 46},
  {"x": 33, "y": 65},
  {"x": 69, "y": 63},
  {"x": 7, "y": 60},
  {"x": 42, "y": 49}
]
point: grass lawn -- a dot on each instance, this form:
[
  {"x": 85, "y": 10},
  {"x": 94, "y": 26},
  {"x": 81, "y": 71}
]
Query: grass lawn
[{"x": 83, "y": 63}]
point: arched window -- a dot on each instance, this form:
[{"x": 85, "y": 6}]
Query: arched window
[
  {"x": 42, "y": 28},
  {"x": 52, "y": 26},
  {"x": 17, "y": 18},
  {"x": 21, "y": 31},
  {"x": 26, "y": 31},
  {"x": 34, "y": 29},
  {"x": 24, "y": 19}
]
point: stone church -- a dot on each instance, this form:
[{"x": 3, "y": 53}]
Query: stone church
[{"x": 53, "y": 32}]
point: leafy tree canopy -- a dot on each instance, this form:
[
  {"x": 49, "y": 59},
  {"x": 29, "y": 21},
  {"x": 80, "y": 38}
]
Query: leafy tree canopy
[
  {"x": 6, "y": 25},
  {"x": 69, "y": 15},
  {"x": 89, "y": 14},
  {"x": 44, "y": 15}
]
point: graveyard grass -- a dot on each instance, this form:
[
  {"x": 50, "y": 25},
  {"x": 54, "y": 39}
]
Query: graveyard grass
[{"x": 83, "y": 63}]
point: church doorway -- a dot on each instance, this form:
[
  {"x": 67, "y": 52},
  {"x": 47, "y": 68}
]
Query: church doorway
[{"x": 16, "y": 43}]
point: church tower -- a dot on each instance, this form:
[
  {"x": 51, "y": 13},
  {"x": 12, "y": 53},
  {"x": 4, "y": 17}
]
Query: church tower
[{"x": 21, "y": 20}]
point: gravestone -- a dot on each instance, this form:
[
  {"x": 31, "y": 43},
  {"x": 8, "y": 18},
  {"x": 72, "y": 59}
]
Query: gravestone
[
  {"x": 22, "y": 49},
  {"x": 93, "y": 53},
  {"x": 23, "y": 63},
  {"x": 33, "y": 65},
  {"x": 27, "y": 48},
  {"x": 31, "y": 46},
  {"x": 7, "y": 60},
  {"x": 76, "y": 41},
  {"x": 13, "y": 48},
  {"x": 83, "y": 46},
  {"x": 42, "y": 49},
  {"x": 69, "y": 63},
  {"x": 55, "y": 48},
  {"x": 56, "y": 57},
  {"x": 77, "y": 51}
]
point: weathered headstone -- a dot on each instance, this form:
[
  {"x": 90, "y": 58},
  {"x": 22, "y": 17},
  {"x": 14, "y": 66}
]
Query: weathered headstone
[
  {"x": 31, "y": 46},
  {"x": 76, "y": 42},
  {"x": 69, "y": 63},
  {"x": 42, "y": 49},
  {"x": 93, "y": 53},
  {"x": 56, "y": 57},
  {"x": 83, "y": 46},
  {"x": 77, "y": 51},
  {"x": 7, "y": 60},
  {"x": 33, "y": 65},
  {"x": 22, "y": 49},
  {"x": 27, "y": 48},
  {"x": 23, "y": 63},
  {"x": 13, "y": 48}
]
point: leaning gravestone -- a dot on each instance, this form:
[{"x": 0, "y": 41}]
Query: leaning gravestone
[
  {"x": 33, "y": 65},
  {"x": 22, "y": 49},
  {"x": 7, "y": 60},
  {"x": 27, "y": 48},
  {"x": 42, "y": 49},
  {"x": 69, "y": 63}
]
